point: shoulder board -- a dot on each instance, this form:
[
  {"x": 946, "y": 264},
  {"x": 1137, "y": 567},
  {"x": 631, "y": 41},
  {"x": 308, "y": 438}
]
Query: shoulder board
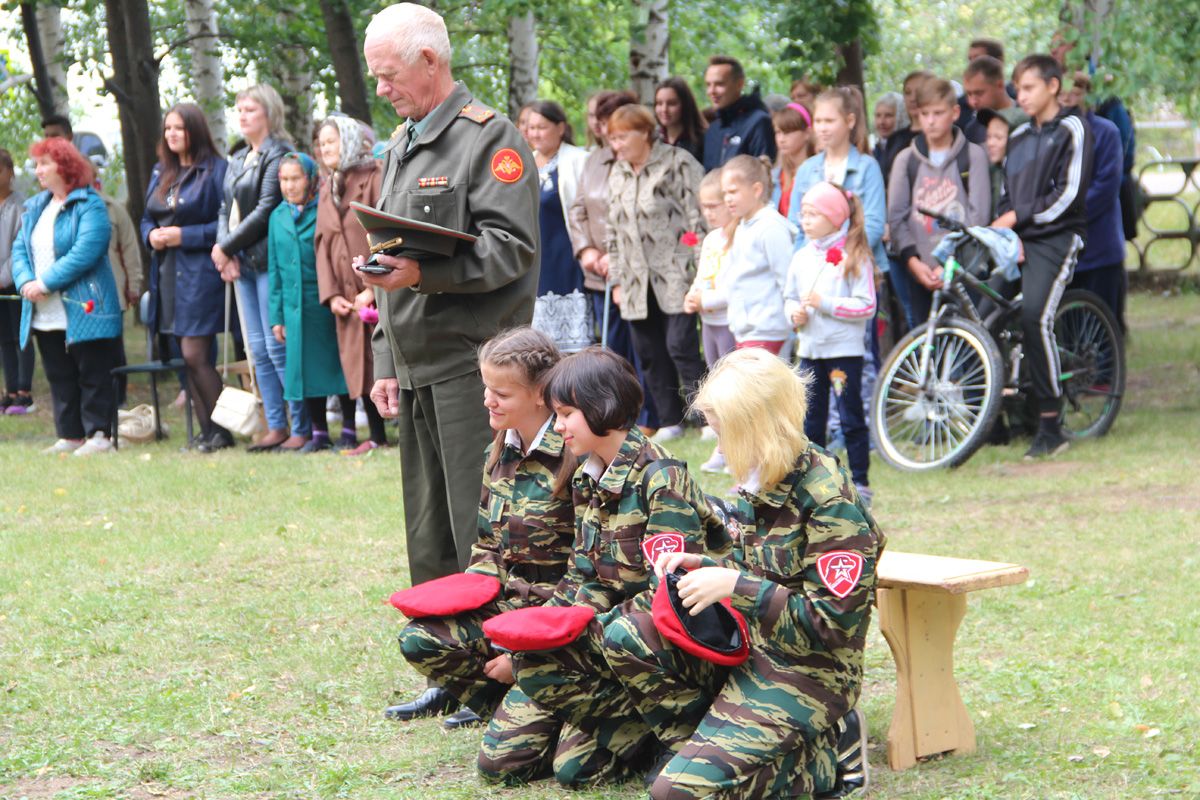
[
  {"x": 399, "y": 130},
  {"x": 477, "y": 114}
]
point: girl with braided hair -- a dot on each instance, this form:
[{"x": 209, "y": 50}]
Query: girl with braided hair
[{"x": 526, "y": 533}]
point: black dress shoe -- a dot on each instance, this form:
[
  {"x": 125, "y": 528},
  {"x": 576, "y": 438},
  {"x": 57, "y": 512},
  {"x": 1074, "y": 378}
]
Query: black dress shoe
[
  {"x": 432, "y": 702},
  {"x": 463, "y": 718},
  {"x": 219, "y": 440}
]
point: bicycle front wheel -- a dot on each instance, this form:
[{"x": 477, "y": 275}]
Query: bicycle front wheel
[
  {"x": 1091, "y": 354},
  {"x": 939, "y": 417}
]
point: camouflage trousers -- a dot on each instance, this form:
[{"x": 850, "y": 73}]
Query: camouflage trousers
[
  {"x": 523, "y": 742},
  {"x": 763, "y": 729},
  {"x": 575, "y": 684}
]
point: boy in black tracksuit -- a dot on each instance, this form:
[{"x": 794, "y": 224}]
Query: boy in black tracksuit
[{"x": 1047, "y": 173}]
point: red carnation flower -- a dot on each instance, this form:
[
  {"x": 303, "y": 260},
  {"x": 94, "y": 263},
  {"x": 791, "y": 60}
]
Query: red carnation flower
[
  {"x": 834, "y": 255},
  {"x": 369, "y": 315},
  {"x": 89, "y": 306},
  {"x": 689, "y": 239}
]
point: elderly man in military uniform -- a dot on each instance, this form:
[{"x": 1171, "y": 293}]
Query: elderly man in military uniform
[{"x": 456, "y": 164}]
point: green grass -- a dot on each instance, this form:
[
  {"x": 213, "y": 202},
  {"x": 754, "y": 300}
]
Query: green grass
[{"x": 175, "y": 625}]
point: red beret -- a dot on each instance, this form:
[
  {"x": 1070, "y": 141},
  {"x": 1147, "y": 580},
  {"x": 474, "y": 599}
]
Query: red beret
[
  {"x": 717, "y": 634},
  {"x": 538, "y": 627},
  {"x": 445, "y": 597}
]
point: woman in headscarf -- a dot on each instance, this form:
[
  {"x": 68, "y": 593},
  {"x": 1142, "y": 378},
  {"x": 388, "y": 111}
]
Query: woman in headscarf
[
  {"x": 345, "y": 148},
  {"x": 312, "y": 371}
]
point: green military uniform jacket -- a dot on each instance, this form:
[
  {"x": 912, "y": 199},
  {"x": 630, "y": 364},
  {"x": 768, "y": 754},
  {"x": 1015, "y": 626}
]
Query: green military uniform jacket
[
  {"x": 780, "y": 536},
  {"x": 469, "y": 171},
  {"x": 614, "y": 514},
  {"x": 525, "y": 532}
]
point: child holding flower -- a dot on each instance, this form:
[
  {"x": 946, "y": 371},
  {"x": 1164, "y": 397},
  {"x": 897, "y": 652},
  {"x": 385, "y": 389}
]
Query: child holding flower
[{"x": 830, "y": 298}]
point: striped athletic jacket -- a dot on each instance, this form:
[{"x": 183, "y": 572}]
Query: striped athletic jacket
[{"x": 1047, "y": 173}]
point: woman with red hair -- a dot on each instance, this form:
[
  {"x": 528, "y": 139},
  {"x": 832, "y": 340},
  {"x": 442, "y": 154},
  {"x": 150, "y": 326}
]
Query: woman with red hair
[{"x": 60, "y": 267}]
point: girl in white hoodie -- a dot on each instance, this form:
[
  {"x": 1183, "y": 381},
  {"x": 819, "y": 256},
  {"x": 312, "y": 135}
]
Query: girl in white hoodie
[{"x": 830, "y": 297}]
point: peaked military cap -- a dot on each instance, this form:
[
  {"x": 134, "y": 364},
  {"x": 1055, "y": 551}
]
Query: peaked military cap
[{"x": 402, "y": 237}]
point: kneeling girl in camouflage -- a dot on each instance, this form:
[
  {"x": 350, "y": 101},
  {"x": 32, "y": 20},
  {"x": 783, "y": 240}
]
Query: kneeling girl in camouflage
[
  {"x": 526, "y": 529},
  {"x": 802, "y": 574},
  {"x": 632, "y": 501}
]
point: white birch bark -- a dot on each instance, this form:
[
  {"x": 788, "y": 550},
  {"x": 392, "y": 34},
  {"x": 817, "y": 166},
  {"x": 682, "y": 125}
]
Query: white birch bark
[
  {"x": 522, "y": 61},
  {"x": 208, "y": 76},
  {"x": 49, "y": 22},
  {"x": 649, "y": 38}
]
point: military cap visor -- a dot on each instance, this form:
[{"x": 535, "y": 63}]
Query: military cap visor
[
  {"x": 402, "y": 237},
  {"x": 717, "y": 634},
  {"x": 448, "y": 596}
]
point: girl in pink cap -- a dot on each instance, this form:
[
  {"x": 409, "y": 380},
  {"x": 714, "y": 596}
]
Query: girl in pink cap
[{"x": 830, "y": 298}]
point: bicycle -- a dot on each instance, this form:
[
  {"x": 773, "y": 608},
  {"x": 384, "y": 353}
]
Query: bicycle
[{"x": 945, "y": 385}]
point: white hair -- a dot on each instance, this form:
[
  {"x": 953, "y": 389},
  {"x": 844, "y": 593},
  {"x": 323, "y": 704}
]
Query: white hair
[{"x": 411, "y": 28}]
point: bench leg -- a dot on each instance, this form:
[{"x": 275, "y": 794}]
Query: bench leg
[{"x": 930, "y": 717}]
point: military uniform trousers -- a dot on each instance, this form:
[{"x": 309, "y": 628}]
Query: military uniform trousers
[
  {"x": 443, "y": 432},
  {"x": 575, "y": 684},
  {"x": 763, "y": 729},
  {"x": 523, "y": 742}
]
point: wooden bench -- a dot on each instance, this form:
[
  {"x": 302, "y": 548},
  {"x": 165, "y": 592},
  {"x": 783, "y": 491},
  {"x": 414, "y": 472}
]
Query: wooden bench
[{"x": 922, "y": 599}]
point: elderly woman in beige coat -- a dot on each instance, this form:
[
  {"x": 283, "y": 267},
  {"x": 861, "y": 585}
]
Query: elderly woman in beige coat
[{"x": 653, "y": 207}]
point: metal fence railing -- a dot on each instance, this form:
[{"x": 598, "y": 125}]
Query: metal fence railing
[{"x": 1169, "y": 234}]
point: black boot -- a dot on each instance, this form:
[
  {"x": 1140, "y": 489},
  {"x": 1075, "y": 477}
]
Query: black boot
[
  {"x": 463, "y": 718},
  {"x": 433, "y": 702},
  {"x": 851, "y": 756}
]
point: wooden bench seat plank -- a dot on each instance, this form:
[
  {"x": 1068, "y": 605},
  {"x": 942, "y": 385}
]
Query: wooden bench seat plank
[{"x": 941, "y": 573}]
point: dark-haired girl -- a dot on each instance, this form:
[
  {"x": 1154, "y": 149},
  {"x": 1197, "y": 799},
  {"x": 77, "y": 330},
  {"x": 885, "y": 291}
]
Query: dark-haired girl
[
  {"x": 631, "y": 498},
  {"x": 526, "y": 527},
  {"x": 180, "y": 227},
  {"x": 681, "y": 124}
]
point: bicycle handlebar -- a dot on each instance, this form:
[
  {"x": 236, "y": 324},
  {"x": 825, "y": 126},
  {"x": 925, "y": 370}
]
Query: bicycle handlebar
[{"x": 943, "y": 222}]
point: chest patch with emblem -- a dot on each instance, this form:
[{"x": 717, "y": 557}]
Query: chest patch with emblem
[{"x": 507, "y": 166}]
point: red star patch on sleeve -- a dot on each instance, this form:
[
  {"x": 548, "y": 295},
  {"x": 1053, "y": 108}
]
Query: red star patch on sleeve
[
  {"x": 507, "y": 166},
  {"x": 840, "y": 571},
  {"x": 661, "y": 543}
]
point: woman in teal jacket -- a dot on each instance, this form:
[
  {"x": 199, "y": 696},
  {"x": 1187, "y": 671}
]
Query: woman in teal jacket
[
  {"x": 60, "y": 267},
  {"x": 298, "y": 320}
]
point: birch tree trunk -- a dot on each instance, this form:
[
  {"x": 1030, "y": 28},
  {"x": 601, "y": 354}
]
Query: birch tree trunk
[
  {"x": 49, "y": 23},
  {"x": 290, "y": 66},
  {"x": 522, "y": 61},
  {"x": 649, "y": 40},
  {"x": 208, "y": 77},
  {"x": 43, "y": 91}
]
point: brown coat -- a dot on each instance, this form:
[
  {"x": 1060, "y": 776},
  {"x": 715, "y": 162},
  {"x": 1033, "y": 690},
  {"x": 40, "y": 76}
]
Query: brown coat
[{"x": 338, "y": 240}]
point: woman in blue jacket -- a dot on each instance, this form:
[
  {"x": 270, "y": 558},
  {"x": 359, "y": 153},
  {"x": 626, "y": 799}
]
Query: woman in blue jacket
[
  {"x": 187, "y": 294},
  {"x": 60, "y": 267}
]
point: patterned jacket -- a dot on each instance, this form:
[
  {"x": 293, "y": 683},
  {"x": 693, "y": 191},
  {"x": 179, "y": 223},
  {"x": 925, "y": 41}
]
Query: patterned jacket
[
  {"x": 648, "y": 212},
  {"x": 525, "y": 532},
  {"x": 615, "y": 513},
  {"x": 781, "y": 535}
]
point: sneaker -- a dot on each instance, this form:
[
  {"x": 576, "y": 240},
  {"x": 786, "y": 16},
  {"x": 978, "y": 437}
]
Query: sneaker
[
  {"x": 715, "y": 463},
  {"x": 707, "y": 434},
  {"x": 21, "y": 404},
  {"x": 345, "y": 443},
  {"x": 362, "y": 449},
  {"x": 667, "y": 433},
  {"x": 6, "y": 401},
  {"x": 99, "y": 443},
  {"x": 316, "y": 445},
  {"x": 865, "y": 493},
  {"x": 63, "y": 446},
  {"x": 1047, "y": 444}
]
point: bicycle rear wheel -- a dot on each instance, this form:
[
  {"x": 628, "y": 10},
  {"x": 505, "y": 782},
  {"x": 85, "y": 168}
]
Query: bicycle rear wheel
[
  {"x": 1091, "y": 353},
  {"x": 939, "y": 422}
]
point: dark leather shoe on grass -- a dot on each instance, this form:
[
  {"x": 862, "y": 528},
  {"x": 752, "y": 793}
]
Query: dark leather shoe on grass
[
  {"x": 463, "y": 718},
  {"x": 432, "y": 702}
]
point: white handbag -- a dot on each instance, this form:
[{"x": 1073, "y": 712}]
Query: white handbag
[{"x": 236, "y": 409}]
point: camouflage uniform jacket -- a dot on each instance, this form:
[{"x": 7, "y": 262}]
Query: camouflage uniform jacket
[
  {"x": 525, "y": 532},
  {"x": 784, "y": 530},
  {"x": 612, "y": 518}
]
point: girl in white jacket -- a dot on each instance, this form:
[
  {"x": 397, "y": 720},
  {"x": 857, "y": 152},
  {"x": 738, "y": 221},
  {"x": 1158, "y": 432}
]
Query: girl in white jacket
[{"x": 830, "y": 297}]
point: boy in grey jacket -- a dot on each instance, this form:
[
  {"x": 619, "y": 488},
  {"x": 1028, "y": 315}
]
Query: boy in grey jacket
[{"x": 942, "y": 172}]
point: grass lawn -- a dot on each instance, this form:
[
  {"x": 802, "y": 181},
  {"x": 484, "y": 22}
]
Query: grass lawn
[{"x": 175, "y": 625}]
